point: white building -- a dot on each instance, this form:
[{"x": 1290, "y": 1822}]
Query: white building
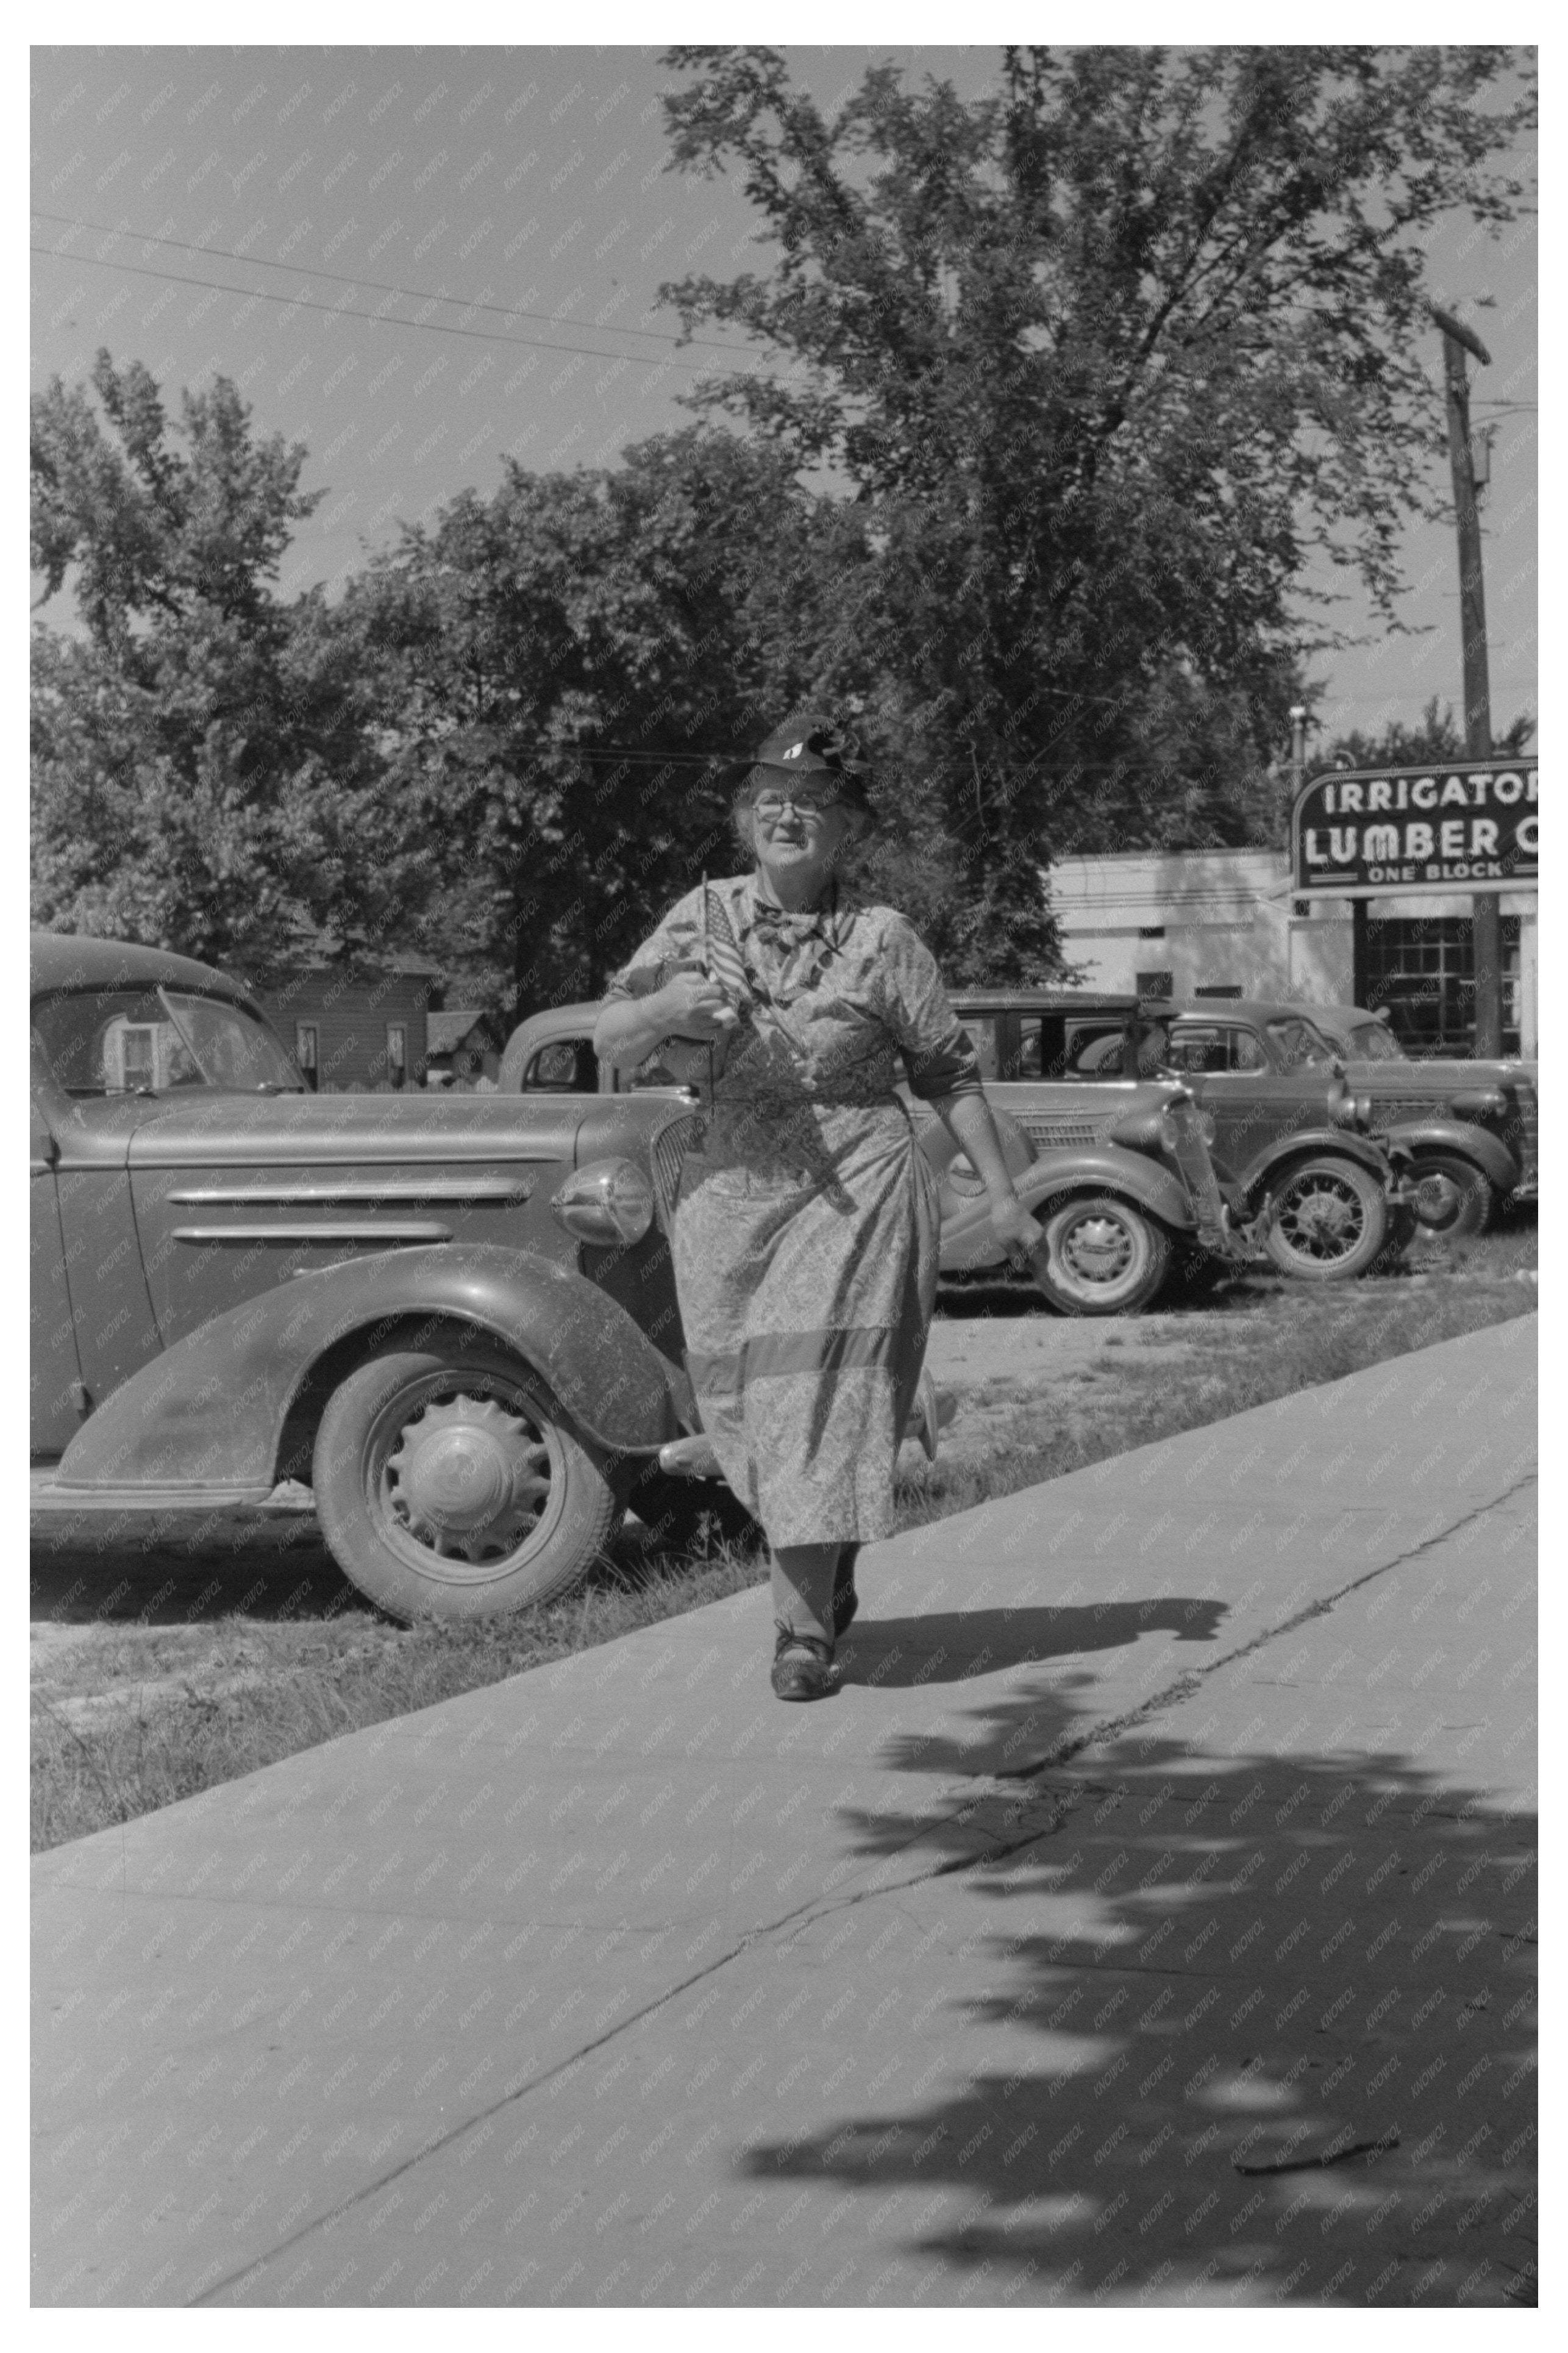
[{"x": 1223, "y": 923}]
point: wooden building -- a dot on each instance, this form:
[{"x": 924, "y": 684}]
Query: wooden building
[{"x": 355, "y": 1028}]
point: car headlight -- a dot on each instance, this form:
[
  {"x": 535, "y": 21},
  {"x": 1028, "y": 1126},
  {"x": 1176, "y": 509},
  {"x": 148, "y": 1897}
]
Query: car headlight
[
  {"x": 1478, "y": 1102},
  {"x": 963, "y": 1175},
  {"x": 609, "y": 1201},
  {"x": 1143, "y": 1131},
  {"x": 1346, "y": 1110}
]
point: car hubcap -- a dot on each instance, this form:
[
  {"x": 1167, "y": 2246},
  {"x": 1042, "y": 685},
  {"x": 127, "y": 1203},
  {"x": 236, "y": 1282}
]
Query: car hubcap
[
  {"x": 1324, "y": 1222},
  {"x": 468, "y": 1477},
  {"x": 1097, "y": 1250},
  {"x": 1437, "y": 1201}
]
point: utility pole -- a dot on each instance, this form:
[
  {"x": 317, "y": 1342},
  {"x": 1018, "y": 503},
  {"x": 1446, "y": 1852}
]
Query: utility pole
[{"x": 1486, "y": 905}]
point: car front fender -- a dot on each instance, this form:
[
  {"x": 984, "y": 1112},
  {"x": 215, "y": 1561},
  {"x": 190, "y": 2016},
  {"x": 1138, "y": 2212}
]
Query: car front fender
[
  {"x": 967, "y": 1241},
  {"x": 211, "y": 1413},
  {"x": 1488, "y": 1152},
  {"x": 1309, "y": 1143}
]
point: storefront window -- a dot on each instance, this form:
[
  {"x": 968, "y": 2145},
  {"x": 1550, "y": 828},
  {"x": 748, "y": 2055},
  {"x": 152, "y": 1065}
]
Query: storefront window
[{"x": 1423, "y": 969}]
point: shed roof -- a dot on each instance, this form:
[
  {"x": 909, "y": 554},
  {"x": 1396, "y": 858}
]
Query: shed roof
[{"x": 445, "y": 1032}]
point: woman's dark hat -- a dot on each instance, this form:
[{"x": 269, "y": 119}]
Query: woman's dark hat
[{"x": 811, "y": 745}]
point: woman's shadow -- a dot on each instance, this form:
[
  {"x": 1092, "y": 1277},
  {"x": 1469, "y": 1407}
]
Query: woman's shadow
[{"x": 950, "y": 1646}]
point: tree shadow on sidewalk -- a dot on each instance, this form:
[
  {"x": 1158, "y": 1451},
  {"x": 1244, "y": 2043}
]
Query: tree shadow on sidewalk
[{"x": 1263, "y": 2030}]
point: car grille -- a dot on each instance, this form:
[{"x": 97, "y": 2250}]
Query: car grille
[
  {"x": 1392, "y": 1110},
  {"x": 1192, "y": 1157},
  {"x": 670, "y": 1147},
  {"x": 1053, "y": 1129}
]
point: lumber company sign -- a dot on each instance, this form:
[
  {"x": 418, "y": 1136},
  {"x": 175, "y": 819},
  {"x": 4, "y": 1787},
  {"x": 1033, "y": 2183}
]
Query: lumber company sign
[{"x": 1371, "y": 833}]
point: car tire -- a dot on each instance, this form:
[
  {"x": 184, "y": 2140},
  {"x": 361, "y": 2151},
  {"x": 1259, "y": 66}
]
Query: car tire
[
  {"x": 1402, "y": 1231},
  {"x": 449, "y": 1485},
  {"x": 1099, "y": 1256},
  {"x": 684, "y": 1514},
  {"x": 1473, "y": 1211},
  {"x": 1331, "y": 1220}
]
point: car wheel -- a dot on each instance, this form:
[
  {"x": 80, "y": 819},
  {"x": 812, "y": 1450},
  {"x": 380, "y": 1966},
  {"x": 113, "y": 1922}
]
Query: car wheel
[
  {"x": 1333, "y": 1219},
  {"x": 1101, "y": 1256},
  {"x": 448, "y": 1485},
  {"x": 1465, "y": 1205},
  {"x": 1401, "y": 1233},
  {"x": 683, "y": 1515}
]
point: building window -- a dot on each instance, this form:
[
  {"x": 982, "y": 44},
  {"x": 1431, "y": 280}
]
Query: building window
[
  {"x": 397, "y": 1052},
  {"x": 306, "y": 1052},
  {"x": 1151, "y": 931},
  {"x": 1423, "y": 969},
  {"x": 1220, "y": 988},
  {"x": 1154, "y": 984}
]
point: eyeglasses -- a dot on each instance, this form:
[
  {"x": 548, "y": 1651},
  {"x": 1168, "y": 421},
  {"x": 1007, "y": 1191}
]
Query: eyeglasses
[{"x": 802, "y": 800}]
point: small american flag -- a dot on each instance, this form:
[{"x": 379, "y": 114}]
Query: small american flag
[{"x": 722, "y": 952}]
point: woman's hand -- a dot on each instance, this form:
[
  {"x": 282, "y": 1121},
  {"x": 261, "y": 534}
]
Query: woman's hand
[
  {"x": 693, "y": 1006},
  {"x": 1015, "y": 1229}
]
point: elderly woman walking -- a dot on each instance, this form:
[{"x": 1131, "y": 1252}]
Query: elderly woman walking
[{"x": 804, "y": 1234}]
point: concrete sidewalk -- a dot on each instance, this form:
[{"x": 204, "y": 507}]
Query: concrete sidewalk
[{"x": 1152, "y": 1918}]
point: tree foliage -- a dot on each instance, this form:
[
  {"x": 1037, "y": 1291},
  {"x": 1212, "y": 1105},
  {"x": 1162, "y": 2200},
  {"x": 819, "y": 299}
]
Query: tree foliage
[
  {"x": 1105, "y": 357},
  {"x": 1436, "y": 741},
  {"x": 1082, "y": 374},
  {"x": 570, "y": 671},
  {"x": 200, "y": 768}
]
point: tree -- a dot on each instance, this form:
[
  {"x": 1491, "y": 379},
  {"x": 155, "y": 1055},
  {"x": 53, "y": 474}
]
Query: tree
[
  {"x": 569, "y": 674},
  {"x": 199, "y": 769},
  {"x": 1099, "y": 358},
  {"x": 1437, "y": 741}
]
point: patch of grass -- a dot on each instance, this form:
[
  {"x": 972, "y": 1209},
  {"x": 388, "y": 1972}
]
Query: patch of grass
[
  {"x": 1267, "y": 1342},
  {"x": 121, "y": 1726},
  {"x": 169, "y": 1657}
]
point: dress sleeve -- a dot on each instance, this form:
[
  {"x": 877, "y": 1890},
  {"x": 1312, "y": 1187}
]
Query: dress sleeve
[
  {"x": 937, "y": 1050},
  {"x": 675, "y": 941}
]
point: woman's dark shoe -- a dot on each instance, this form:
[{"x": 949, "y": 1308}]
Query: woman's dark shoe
[
  {"x": 803, "y": 1665},
  {"x": 846, "y": 1600}
]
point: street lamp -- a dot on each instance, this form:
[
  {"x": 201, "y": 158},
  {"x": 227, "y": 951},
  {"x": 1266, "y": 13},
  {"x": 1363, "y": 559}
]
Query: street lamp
[{"x": 1298, "y": 744}]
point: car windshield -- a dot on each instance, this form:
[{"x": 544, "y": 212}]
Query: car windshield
[
  {"x": 114, "y": 1041},
  {"x": 1373, "y": 1041},
  {"x": 1296, "y": 1042}
]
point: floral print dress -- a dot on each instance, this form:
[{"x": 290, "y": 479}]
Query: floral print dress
[{"x": 805, "y": 1232}]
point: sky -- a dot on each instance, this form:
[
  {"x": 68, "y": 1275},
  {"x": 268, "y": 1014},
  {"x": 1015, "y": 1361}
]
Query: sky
[{"x": 420, "y": 262}]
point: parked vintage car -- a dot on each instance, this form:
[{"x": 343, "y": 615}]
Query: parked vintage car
[
  {"x": 454, "y": 1316},
  {"x": 1473, "y": 1124},
  {"x": 1339, "y": 1197},
  {"x": 1123, "y": 1183}
]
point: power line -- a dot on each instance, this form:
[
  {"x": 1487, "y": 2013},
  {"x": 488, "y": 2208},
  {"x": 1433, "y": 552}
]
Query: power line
[
  {"x": 380, "y": 285},
  {"x": 375, "y": 318}
]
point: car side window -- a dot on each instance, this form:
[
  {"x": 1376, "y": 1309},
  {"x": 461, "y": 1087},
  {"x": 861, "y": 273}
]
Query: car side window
[
  {"x": 1025, "y": 1059},
  {"x": 566, "y": 1067},
  {"x": 1095, "y": 1050},
  {"x": 981, "y": 1029},
  {"x": 1246, "y": 1050},
  {"x": 1199, "y": 1053},
  {"x": 1297, "y": 1042}
]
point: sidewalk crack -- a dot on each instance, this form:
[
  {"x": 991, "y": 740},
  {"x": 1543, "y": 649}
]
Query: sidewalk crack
[{"x": 1183, "y": 1686}]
